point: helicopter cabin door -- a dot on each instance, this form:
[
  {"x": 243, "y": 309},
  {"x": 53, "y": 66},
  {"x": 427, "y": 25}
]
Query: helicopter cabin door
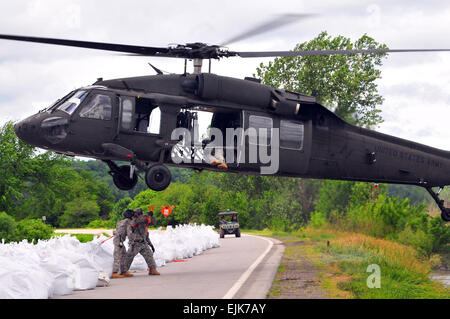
[
  {"x": 273, "y": 145},
  {"x": 94, "y": 123},
  {"x": 139, "y": 126},
  {"x": 256, "y": 151}
]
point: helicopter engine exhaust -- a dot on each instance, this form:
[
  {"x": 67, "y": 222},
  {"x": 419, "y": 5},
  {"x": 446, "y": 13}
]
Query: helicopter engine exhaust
[{"x": 247, "y": 92}]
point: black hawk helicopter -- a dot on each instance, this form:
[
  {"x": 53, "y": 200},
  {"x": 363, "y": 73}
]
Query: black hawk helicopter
[{"x": 110, "y": 121}]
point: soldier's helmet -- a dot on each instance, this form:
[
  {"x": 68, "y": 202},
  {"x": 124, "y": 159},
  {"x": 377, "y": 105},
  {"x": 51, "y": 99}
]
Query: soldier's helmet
[
  {"x": 128, "y": 213},
  {"x": 138, "y": 211}
]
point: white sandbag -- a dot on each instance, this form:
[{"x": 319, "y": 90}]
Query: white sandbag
[
  {"x": 84, "y": 272},
  {"x": 103, "y": 279},
  {"x": 58, "y": 266},
  {"x": 19, "y": 280},
  {"x": 102, "y": 250}
]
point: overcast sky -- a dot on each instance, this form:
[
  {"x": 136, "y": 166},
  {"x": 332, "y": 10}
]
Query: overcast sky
[{"x": 416, "y": 86}]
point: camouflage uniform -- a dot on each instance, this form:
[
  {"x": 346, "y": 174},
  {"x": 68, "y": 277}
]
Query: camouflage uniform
[
  {"x": 119, "y": 248},
  {"x": 137, "y": 238}
]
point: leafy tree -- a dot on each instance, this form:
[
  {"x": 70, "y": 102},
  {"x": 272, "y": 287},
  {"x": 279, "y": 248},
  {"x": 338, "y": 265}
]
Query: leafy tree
[
  {"x": 7, "y": 227},
  {"x": 14, "y": 166},
  {"x": 417, "y": 195},
  {"x": 23, "y": 172},
  {"x": 362, "y": 193},
  {"x": 344, "y": 83},
  {"x": 99, "y": 172},
  {"x": 119, "y": 208},
  {"x": 35, "y": 183},
  {"x": 79, "y": 212},
  {"x": 333, "y": 196}
]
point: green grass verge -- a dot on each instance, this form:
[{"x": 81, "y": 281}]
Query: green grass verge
[
  {"x": 343, "y": 259},
  {"x": 83, "y": 238}
]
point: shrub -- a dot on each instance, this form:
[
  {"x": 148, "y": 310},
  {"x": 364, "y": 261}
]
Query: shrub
[
  {"x": 279, "y": 224},
  {"x": 439, "y": 232},
  {"x": 100, "y": 223},
  {"x": 7, "y": 227},
  {"x": 318, "y": 220},
  {"x": 393, "y": 219},
  {"x": 418, "y": 239},
  {"x": 33, "y": 229}
]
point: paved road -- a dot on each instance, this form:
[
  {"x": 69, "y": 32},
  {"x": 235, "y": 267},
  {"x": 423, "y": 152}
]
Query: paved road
[{"x": 241, "y": 268}]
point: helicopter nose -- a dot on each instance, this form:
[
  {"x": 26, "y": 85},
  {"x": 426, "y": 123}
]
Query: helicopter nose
[{"x": 26, "y": 130}]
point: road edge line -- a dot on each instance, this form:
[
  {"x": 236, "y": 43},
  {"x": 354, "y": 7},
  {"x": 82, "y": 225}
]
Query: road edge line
[{"x": 240, "y": 282}]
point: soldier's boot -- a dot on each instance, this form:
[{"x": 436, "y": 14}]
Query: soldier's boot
[
  {"x": 127, "y": 274},
  {"x": 116, "y": 275},
  {"x": 214, "y": 163},
  {"x": 222, "y": 166},
  {"x": 154, "y": 272}
]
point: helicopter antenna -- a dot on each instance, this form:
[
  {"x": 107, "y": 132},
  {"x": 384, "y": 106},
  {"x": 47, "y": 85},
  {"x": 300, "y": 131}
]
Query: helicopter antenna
[{"x": 158, "y": 71}]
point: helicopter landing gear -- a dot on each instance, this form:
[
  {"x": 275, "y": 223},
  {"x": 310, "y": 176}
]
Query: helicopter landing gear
[
  {"x": 158, "y": 177},
  {"x": 445, "y": 211},
  {"x": 124, "y": 177},
  {"x": 446, "y": 215}
]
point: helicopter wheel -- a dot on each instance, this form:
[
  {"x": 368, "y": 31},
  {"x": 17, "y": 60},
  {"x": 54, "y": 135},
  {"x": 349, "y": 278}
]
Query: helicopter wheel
[
  {"x": 158, "y": 177},
  {"x": 121, "y": 178},
  {"x": 446, "y": 215}
]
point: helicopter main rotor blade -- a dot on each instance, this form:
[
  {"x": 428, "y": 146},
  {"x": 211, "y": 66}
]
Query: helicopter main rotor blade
[
  {"x": 135, "y": 49},
  {"x": 264, "y": 27},
  {"x": 268, "y": 54}
]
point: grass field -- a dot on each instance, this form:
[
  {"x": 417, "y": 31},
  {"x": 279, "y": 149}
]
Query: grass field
[{"x": 340, "y": 262}]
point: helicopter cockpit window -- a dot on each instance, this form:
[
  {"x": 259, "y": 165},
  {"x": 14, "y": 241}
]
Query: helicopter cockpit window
[
  {"x": 71, "y": 104},
  {"x": 98, "y": 107}
]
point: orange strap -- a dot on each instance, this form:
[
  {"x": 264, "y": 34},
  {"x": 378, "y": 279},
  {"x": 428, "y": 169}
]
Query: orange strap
[{"x": 106, "y": 239}]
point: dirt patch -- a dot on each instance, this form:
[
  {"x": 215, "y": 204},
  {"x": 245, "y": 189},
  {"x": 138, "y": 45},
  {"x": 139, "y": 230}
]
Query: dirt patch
[{"x": 298, "y": 277}]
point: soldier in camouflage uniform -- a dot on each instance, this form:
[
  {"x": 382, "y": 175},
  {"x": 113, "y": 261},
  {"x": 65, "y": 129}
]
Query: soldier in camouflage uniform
[
  {"x": 139, "y": 242},
  {"x": 120, "y": 251}
]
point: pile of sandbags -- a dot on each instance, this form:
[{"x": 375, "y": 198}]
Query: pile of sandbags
[
  {"x": 62, "y": 264},
  {"x": 183, "y": 241},
  {"x": 48, "y": 268}
]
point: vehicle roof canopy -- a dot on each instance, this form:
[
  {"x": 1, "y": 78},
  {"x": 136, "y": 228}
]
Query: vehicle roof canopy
[{"x": 228, "y": 213}]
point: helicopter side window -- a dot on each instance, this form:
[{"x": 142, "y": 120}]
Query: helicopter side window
[
  {"x": 98, "y": 107},
  {"x": 155, "y": 121},
  {"x": 127, "y": 112},
  {"x": 291, "y": 135},
  {"x": 147, "y": 116},
  {"x": 261, "y": 123}
]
